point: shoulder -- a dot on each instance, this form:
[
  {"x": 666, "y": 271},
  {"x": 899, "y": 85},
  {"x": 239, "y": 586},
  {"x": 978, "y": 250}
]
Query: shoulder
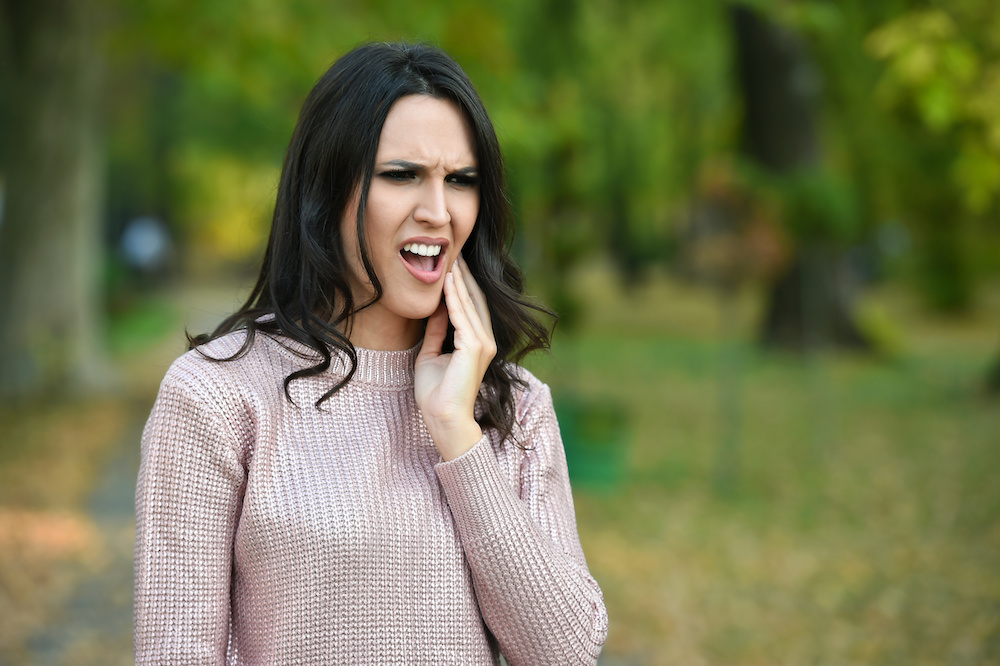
[
  {"x": 225, "y": 372},
  {"x": 222, "y": 386},
  {"x": 531, "y": 394},
  {"x": 536, "y": 441},
  {"x": 536, "y": 428}
]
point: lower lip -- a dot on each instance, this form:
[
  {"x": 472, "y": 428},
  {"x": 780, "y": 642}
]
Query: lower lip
[{"x": 430, "y": 277}]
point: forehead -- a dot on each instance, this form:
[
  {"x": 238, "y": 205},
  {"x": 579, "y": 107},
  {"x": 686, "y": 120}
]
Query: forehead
[{"x": 426, "y": 130}]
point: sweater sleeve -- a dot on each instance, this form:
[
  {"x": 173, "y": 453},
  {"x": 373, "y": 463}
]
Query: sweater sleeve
[
  {"x": 531, "y": 579},
  {"x": 188, "y": 496}
]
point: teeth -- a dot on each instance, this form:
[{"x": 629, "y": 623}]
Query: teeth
[{"x": 423, "y": 250}]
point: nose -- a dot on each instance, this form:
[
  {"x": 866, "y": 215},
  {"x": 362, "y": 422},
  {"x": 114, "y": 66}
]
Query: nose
[{"x": 432, "y": 206}]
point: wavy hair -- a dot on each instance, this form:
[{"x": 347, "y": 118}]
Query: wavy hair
[{"x": 303, "y": 281}]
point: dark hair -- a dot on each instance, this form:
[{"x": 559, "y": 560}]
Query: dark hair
[{"x": 303, "y": 281}]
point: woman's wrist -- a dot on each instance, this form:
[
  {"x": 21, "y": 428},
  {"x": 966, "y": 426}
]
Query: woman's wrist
[{"x": 452, "y": 440}]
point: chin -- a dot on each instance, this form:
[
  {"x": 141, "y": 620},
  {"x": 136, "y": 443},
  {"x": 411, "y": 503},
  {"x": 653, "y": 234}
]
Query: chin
[{"x": 419, "y": 308}]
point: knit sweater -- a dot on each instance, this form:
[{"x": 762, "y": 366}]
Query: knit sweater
[{"x": 276, "y": 532}]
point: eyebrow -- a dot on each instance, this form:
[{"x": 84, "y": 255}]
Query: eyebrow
[{"x": 413, "y": 166}]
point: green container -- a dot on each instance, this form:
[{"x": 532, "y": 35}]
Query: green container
[{"x": 595, "y": 435}]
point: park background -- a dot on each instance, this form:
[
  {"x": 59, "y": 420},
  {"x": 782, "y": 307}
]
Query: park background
[{"x": 770, "y": 228}]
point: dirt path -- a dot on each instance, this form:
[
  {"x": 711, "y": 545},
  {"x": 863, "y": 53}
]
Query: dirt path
[{"x": 94, "y": 626}]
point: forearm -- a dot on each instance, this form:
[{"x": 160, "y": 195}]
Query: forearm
[{"x": 538, "y": 600}]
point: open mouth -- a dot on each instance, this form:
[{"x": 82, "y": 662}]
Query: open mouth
[{"x": 421, "y": 257}]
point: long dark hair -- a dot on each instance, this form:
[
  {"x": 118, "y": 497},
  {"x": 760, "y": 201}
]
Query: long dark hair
[{"x": 303, "y": 281}]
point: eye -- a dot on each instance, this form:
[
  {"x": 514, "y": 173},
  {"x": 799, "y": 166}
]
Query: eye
[
  {"x": 398, "y": 175},
  {"x": 463, "y": 180}
]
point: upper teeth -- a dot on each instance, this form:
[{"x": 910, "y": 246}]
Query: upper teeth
[{"x": 423, "y": 250}]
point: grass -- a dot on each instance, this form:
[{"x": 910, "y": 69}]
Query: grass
[{"x": 862, "y": 524}]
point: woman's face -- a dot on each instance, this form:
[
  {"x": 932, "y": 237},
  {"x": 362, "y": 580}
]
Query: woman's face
[{"x": 422, "y": 206}]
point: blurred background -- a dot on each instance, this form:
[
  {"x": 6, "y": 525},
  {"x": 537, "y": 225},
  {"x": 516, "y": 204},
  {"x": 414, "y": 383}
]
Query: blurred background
[{"x": 770, "y": 228}]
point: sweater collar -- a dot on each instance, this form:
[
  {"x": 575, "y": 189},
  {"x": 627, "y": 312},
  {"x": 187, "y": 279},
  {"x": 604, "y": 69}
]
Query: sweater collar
[
  {"x": 379, "y": 368},
  {"x": 389, "y": 369}
]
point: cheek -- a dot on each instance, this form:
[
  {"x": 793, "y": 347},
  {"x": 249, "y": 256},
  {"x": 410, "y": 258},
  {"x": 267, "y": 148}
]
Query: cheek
[
  {"x": 463, "y": 237},
  {"x": 382, "y": 220},
  {"x": 468, "y": 221}
]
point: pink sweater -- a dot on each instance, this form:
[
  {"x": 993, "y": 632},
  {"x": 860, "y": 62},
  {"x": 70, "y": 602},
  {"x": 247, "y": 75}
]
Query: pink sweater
[{"x": 273, "y": 533}]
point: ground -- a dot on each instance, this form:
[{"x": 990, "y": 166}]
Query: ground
[{"x": 752, "y": 509}]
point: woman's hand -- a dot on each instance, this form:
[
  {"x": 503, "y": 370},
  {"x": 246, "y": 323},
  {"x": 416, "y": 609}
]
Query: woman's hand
[{"x": 446, "y": 385}]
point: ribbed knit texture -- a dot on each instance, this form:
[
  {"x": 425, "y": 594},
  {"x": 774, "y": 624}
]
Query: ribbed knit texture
[{"x": 276, "y": 533}]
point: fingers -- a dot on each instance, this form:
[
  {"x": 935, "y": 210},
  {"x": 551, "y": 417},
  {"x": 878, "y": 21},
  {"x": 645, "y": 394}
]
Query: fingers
[
  {"x": 471, "y": 312},
  {"x": 465, "y": 314},
  {"x": 435, "y": 332},
  {"x": 478, "y": 297},
  {"x": 456, "y": 306}
]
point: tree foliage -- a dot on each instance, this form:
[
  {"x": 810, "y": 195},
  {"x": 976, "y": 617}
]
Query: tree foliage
[
  {"x": 942, "y": 66},
  {"x": 608, "y": 112},
  {"x": 611, "y": 112}
]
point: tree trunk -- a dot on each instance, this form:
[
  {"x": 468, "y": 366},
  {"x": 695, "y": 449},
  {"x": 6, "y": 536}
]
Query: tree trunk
[
  {"x": 51, "y": 165},
  {"x": 780, "y": 89},
  {"x": 780, "y": 94},
  {"x": 810, "y": 306}
]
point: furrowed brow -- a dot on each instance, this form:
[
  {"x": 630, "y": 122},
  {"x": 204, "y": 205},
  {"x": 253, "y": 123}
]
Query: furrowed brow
[
  {"x": 414, "y": 166},
  {"x": 404, "y": 164}
]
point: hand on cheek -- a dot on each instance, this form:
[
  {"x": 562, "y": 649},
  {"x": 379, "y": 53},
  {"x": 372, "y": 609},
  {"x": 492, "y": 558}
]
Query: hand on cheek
[{"x": 446, "y": 385}]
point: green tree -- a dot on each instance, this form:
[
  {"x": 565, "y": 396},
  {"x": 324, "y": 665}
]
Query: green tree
[
  {"x": 619, "y": 103},
  {"x": 942, "y": 80}
]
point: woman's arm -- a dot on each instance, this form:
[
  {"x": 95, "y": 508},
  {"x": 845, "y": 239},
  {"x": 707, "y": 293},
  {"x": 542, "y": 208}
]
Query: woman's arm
[
  {"x": 188, "y": 496},
  {"x": 531, "y": 579}
]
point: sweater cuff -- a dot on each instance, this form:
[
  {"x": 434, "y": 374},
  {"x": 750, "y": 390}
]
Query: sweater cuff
[{"x": 481, "y": 499}]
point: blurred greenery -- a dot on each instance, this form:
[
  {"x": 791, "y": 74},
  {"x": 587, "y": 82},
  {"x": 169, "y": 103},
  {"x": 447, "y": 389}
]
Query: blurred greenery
[
  {"x": 608, "y": 111},
  {"x": 611, "y": 115},
  {"x": 864, "y": 525},
  {"x": 139, "y": 326},
  {"x": 742, "y": 507}
]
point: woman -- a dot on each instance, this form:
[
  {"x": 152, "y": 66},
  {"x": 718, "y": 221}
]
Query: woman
[{"x": 352, "y": 469}]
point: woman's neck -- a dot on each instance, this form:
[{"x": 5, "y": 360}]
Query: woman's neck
[{"x": 370, "y": 331}]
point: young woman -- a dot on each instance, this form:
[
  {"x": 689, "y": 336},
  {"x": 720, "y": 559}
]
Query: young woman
[{"x": 352, "y": 469}]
